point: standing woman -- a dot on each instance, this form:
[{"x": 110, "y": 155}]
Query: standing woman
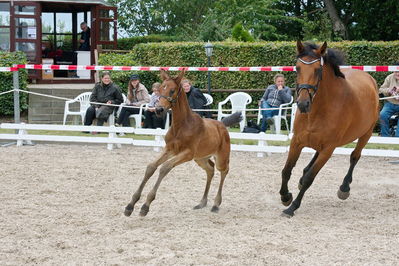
[
  {"x": 275, "y": 95},
  {"x": 103, "y": 92},
  {"x": 137, "y": 95}
]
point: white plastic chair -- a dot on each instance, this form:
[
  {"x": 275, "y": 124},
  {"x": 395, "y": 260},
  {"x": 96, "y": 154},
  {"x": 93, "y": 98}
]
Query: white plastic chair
[
  {"x": 282, "y": 115},
  {"x": 84, "y": 102},
  {"x": 138, "y": 118},
  {"x": 209, "y": 99},
  {"x": 239, "y": 101}
]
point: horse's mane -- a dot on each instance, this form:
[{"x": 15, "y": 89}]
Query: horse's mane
[{"x": 332, "y": 57}]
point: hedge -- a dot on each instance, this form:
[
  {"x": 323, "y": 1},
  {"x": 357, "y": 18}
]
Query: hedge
[
  {"x": 243, "y": 54},
  {"x": 129, "y": 43},
  {"x": 7, "y": 59}
]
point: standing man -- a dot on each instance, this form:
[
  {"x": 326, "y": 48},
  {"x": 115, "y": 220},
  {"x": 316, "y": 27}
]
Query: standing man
[{"x": 84, "y": 37}]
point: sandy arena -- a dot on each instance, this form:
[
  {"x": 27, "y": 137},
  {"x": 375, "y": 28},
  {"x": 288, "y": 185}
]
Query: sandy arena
[{"x": 63, "y": 205}]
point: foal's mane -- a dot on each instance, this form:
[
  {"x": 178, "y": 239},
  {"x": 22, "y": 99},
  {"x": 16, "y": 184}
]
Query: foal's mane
[{"x": 332, "y": 57}]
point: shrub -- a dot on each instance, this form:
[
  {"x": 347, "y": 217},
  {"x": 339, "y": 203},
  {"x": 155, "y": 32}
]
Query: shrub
[
  {"x": 230, "y": 54},
  {"x": 129, "y": 43},
  {"x": 7, "y": 59}
]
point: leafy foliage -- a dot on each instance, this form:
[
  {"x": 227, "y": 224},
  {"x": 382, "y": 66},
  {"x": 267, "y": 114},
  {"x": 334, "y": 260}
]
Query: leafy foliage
[
  {"x": 129, "y": 43},
  {"x": 241, "y": 34},
  {"x": 7, "y": 59},
  {"x": 272, "y": 20}
]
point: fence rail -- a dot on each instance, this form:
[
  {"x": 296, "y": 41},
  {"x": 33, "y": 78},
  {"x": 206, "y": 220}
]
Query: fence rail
[{"x": 261, "y": 146}]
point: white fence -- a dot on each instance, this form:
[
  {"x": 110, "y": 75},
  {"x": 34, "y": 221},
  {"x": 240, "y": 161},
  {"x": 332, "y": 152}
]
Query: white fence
[{"x": 261, "y": 147}]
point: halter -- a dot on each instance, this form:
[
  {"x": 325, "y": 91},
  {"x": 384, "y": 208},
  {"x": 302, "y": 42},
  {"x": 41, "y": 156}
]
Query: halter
[
  {"x": 170, "y": 99},
  {"x": 319, "y": 74}
]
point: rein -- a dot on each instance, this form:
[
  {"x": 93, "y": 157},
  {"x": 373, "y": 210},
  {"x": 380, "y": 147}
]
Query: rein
[{"x": 309, "y": 86}]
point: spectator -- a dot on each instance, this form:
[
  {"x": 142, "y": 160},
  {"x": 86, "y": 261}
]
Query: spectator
[
  {"x": 390, "y": 87},
  {"x": 196, "y": 99},
  {"x": 151, "y": 119},
  {"x": 136, "y": 96},
  {"x": 104, "y": 92},
  {"x": 275, "y": 95},
  {"x": 84, "y": 37}
]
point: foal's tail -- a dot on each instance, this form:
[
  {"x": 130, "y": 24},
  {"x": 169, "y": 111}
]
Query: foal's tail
[{"x": 232, "y": 119}]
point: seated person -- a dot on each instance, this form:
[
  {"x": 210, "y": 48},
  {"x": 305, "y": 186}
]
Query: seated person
[
  {"x": 196, "y": 100},
  {"x": 390, "y": 87},
  {"x": 151, "y": 119},
  {"x": 275, "y": 95},
  {"x": 136, "y": 96},
  {"x": 104, "y": 92}
]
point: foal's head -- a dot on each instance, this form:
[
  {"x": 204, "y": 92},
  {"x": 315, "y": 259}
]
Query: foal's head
[
  {"x": 170, "y": 90},
  {"x": 311, "y": 60}
]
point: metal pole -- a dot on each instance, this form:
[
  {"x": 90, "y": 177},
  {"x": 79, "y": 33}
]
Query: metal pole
[
  {"x": 17, "y": 118},
  {"x": 209, "y": 76}
]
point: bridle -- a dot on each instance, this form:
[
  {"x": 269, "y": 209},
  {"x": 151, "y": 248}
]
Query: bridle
[
  {"x": 172, "y": 100},
  {"x": 305, "y": 86}
]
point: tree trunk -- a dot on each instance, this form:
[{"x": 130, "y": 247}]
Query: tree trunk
[{"x": 338, "y": 26}]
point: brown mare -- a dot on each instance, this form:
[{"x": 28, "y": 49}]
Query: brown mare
[
  {"x": 189, "y": 138},
  {"x": 336, "y": 108}
]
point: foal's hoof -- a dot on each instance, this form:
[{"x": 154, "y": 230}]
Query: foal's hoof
[
  {"x": 199, "y": 206},
  {"x": 215, "y": 209},
  {"x": 286, "y": 199},
  {"x": 343, "y": 195},
  {"x": 144, "y": 210},
  {"x": 128, "y": 210},
  {"x": 287, "y": 213}
]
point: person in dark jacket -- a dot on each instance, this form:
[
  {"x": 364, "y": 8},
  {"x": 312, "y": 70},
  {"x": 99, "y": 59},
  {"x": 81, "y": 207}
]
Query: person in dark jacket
[
  {"x": 196, "y": 99},
  {"x": 275, "y": 95},
  {"x": 84, "y": 37},
  {"x": 104, "y": 92}
]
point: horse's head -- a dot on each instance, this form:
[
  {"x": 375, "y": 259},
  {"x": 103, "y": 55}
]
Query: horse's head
[
  {"x": 309, "y": 68},
  {"x": 169, "y": 91}
]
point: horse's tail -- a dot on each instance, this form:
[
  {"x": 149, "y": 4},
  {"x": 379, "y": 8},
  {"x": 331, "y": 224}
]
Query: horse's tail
[{"x": 232, "y": 119}]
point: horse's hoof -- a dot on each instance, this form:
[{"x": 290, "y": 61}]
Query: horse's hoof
[
  {"x": 286, "y": 199},
  {"x": 128, "y": 210},
  {"x": 215, "y": 209},
  {"x": 343, "y": 195},
  {"x": 199, "y": 206},
  {"x": 144, "y": 210},
  {"x": 287, "y": 213}
]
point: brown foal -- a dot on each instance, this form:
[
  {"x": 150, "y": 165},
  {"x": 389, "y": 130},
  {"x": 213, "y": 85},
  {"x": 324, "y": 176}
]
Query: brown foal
[{"x": 189, "y": 138}]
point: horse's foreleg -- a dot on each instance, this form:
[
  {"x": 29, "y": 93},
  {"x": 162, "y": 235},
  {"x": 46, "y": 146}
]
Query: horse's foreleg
[
  {"x": 344, "y": 189},
  {"x": 151, "y": 168},
  {"x": 209, "y": 167},
  {"x": 182, "y": 157},
  {"x": 308, "y": 178},
  {"x": 293, "y": 155},
  {"x": 307, "y": 169}
]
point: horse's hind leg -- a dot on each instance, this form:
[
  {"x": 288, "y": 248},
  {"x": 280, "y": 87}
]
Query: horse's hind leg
[
  {"x": 222, "y": 164},
  {"x": 182, "y": 157},
  {"x": 344, "y": 189},
  {"x": 209, "y": 167},
  {"x": 307, "y": 169},
  {"x": 151, "y": 168}
]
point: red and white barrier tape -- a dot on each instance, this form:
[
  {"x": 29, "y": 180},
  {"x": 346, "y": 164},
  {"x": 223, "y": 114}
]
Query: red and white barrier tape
[{"x": 214, "y": 69}]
